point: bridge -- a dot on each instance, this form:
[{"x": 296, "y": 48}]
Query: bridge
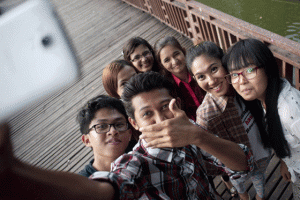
[{"x": 46, "y": 133}]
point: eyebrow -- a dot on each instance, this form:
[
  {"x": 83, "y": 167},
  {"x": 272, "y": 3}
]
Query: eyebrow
[
  {"x": 115, "y": 119},
  {"x": 207, "y": 68},
  {"x": 162, "y": 102},
  {"x": 142, "y": 53}
]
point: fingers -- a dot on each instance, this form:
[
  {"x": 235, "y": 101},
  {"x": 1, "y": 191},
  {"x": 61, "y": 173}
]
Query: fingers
[
  {"x": 160, "y": 143},
  {"x": 152, "y": 128},
  {"x": 288, "y": 177}
]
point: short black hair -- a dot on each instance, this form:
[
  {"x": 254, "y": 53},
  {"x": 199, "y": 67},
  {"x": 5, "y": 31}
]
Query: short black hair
[
  {"x": 88, "y": 111},
  {"x": 144, "y": 82}
]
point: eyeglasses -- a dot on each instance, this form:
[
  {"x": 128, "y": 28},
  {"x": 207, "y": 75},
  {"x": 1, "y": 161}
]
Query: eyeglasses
[
  {"x": 145, "y": 54},
  {"x": 104, "y": 128},
  {"x": 249, "y": 74}
]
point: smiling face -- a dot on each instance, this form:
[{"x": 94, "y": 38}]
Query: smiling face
[
  {"x": 151, "y": 108},
  {"x": 142, "y": 58},
  {"x": 123, "y": 76},
  {"x": 173, "y": 60},
  {"x": 254, "y": 88},
  {"x": 210, "y": 75},
  {"x": 111, "y": 144}
]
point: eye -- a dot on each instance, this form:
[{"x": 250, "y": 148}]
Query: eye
[
  {"x": 234, "y": 75},
  {"x": 123, "y": 83},
  {"x": 214, "y": 69},
  {"x": 120, "y": 125},
  {"x": 200, "y": 77},
  {"x": 146, "y": 114},
  {"x": 166, "y": 60},
  {"x": 166, "y": 106},
  {"x": 250, "y": 70},
  {"x": 136, "y": 58},
  {"x": 101, "y": 127},
  {"x": 145, "y": 53}
]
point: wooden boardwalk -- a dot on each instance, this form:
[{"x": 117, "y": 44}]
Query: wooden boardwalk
[{"x": 46, "y": 134}]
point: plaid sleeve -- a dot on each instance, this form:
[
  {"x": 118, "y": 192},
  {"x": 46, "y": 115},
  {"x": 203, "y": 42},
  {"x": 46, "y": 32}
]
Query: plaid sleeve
[
  {"x": 126, "y": 169},
  {"x": 233, "y": 174},
  {"x": 215, "y": 161}
]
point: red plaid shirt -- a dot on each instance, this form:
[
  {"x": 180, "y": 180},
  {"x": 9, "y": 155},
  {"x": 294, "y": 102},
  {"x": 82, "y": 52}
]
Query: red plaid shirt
[{"x": 169, "y": 173}]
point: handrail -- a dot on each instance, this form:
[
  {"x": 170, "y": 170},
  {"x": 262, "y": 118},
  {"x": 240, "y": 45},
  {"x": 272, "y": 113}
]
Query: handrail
[{"x": 200, "y": 22}]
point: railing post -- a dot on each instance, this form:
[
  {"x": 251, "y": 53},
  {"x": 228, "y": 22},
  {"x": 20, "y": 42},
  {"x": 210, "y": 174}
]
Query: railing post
[{"x": 190, "y": 22}]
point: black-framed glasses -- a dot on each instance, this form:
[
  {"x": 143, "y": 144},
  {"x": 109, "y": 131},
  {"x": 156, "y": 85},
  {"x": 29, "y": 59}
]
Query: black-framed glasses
[
  {"x": 104, "y": 128},
  {"x": 249, "y": 74},
  {"x": 139, "y": 57}
]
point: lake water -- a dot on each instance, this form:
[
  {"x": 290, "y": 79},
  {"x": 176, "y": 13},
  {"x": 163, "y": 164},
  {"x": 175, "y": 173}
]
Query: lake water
[{"x": 278, "y": 16}]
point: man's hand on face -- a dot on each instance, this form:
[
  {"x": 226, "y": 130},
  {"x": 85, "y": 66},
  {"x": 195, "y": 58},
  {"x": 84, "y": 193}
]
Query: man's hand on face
[{"x": 175, "y": 132}]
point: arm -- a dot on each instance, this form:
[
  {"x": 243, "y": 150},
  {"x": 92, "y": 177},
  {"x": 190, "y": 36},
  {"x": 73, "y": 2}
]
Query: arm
[
  {"x": 179, "y": 132},
  {"x": 19, "y": 179}
]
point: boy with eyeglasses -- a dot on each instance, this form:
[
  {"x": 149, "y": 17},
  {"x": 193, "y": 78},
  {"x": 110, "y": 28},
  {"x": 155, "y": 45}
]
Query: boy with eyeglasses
[{"x": 104, "y": 127}]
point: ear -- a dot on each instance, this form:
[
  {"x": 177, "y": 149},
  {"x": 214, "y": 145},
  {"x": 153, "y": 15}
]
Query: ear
[
  {"x": 178, "y": 102},
  {"x": 86, "y": 140},
  {"x": 133, "y": 123}
]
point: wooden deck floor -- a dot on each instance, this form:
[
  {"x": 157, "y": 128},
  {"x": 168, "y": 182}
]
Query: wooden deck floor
[{"x": 46, "y": 134}]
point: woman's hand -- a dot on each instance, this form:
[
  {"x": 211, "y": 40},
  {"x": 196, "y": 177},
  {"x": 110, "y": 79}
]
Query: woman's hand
[{"x": 284, "y": 171}]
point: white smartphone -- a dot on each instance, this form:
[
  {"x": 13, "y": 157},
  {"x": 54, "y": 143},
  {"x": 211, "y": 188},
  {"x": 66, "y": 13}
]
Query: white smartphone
[{"x": 36, "y": 57}]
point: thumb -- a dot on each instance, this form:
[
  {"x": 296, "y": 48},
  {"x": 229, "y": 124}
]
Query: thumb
[{"x": 174, "y": 107}]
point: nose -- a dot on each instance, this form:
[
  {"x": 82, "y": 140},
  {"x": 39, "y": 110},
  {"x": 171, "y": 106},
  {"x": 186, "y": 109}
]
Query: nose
[
  {"x": 143, "y": 58},
  {"x": 112, "y": 131},
  {"x": 160, "y": 117},
  {"x": 174, "y": 61},
  {"x": 242, "y": 79},
  {"x": 211, "y": 80}
]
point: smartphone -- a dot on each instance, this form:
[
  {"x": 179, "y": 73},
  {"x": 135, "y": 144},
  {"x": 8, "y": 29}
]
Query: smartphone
[{"x": 36, "y": 56}]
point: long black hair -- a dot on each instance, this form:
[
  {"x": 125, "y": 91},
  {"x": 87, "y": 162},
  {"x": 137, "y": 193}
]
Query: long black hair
[{"x": 252, "y": 51}]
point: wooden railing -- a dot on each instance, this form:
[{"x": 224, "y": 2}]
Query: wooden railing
[{"x": 200, "y": 22}]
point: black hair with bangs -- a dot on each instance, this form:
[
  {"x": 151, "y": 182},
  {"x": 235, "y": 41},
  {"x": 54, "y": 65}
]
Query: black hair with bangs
[{"x": 252, "y": 51}]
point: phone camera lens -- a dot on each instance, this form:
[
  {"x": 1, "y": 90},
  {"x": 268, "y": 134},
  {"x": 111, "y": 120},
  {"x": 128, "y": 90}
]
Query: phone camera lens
[{"x": 47, "y": 41}]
